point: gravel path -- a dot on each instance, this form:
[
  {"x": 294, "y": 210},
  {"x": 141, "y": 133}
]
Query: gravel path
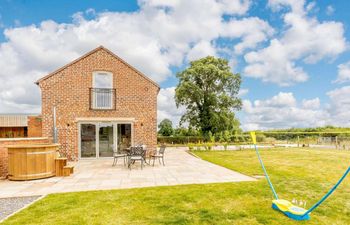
[{"x": 11, "y": 205}]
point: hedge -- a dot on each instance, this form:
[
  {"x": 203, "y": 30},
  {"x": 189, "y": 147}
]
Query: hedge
[{"x": 180, "y": 139}]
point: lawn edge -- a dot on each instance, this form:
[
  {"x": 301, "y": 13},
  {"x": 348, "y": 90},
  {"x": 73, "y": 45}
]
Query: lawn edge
[{"x": 193, "y": 154}]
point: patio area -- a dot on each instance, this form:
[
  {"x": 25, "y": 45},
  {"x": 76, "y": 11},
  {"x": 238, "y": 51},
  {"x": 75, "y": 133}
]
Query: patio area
[{"x": 180, "y": 168}]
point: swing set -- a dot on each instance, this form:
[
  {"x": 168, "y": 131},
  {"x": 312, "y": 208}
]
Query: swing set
[{"x": 286, "y": 207}]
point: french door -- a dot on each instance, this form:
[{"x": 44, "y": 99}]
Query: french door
[
  {"x": 88, "y": 140},
  {"x": 99, "y": 139},
  {"x": 105, "y": 140}
]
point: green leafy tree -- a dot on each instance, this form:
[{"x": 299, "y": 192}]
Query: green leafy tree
[
  {"x": 180, "y": 131},
  {"x": 208, "y": 89},
  {"x": 165, "y": 128},
  {"x": 193, "y": 132}
]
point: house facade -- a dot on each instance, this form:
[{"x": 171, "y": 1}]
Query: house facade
[{"x": 101, "y": 104}]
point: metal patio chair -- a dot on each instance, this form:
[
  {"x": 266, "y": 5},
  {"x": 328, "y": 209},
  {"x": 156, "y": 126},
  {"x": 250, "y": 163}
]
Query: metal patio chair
[
  {"x": 136, "y": 154},
  {"x": 144, "y": 147},
  {"x": 158, "y": 155},
  {"x": 119, "y": 154}
]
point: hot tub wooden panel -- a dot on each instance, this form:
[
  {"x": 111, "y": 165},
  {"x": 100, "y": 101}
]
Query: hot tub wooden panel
[{"x": 31, "y": 161}]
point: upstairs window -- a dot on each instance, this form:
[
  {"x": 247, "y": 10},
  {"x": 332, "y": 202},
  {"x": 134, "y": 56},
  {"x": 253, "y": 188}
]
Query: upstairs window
[
  {"x": 102, "y": 94},
  {"x": 102, "y": 80}
]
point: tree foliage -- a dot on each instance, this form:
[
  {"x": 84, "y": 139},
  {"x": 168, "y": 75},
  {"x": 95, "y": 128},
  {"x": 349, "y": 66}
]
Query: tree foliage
[
  {"x": 183, "y": 131},
  {"x": 165, "y": 128},
  {"x": 208, "y": 89}
]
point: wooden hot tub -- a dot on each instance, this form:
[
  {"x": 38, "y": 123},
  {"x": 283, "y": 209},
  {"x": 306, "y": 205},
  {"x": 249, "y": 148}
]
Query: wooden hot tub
[{"x": 32, "y": 161}]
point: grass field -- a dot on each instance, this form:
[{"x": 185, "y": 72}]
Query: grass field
[{"x": 297, "y": 173}]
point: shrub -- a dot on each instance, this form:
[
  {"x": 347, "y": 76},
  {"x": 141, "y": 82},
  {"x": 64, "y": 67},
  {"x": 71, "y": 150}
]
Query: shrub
[
  {"x": 179, "y": 139},
  {"x": 260, "y": 138},
  {"x": 211, "y": 137},
  {"x": 208, "y": 146}
]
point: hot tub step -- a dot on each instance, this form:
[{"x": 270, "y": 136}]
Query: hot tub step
[
  {"x": 69, "y": 169},
  {"x": 60, "y": 164}
]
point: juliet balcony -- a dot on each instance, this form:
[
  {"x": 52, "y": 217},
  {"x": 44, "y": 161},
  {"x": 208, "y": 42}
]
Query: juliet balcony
[{"x": 102, "y": 98}]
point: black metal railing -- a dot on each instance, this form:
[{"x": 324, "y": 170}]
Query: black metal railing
[{"x": 102, "y": 98}]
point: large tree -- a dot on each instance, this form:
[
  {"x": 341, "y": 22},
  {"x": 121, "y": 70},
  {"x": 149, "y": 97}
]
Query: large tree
[
  {"x": 209, "y": 91},
  {"x": 165, "y": 128}
]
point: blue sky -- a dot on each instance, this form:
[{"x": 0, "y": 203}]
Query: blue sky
[{"x": 292, "y": 54}]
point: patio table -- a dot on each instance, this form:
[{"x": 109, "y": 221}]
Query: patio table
[{"x": 145, "y": 155}]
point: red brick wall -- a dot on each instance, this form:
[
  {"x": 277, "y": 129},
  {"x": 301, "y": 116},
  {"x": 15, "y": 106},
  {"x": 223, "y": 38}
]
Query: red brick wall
[
  {"x": 15, "y": 141},
  {"x": 68, "y": 91},
  {"x": 34, "y": 126}
]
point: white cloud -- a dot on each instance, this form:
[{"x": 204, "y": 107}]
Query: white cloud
[
  {"x": 251, "y": 30},
  {"x": 281, "y": 100},
  {"x": 339, "y": 107},
  {"x": 330, "y": 10},
  {"x": 17, "y": 22},
  {"x": 201, "y": 49},
  {"x": 242, "y": 92},
  {"x": 311, "y": 6},
  {"x": 282, "y": 111},
  {"x": 343, "y": 73},
  {"x": 305, "y": 40},
  {"x": 272, "y": 64},
  {"x": 239, "y": 7},
  {"x": 160, "y": 35},
  {"x": 90, "y": 11},
  {"x": 311, "y": 103},
  {"x": 167, "y": 108},
  {"x": 296, "y": 6}
]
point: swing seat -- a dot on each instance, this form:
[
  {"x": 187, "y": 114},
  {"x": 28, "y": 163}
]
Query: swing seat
[{"x": 290, "y": 210}]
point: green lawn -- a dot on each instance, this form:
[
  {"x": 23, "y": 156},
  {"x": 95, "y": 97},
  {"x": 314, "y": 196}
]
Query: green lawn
[{"x": 296, "y": 173}]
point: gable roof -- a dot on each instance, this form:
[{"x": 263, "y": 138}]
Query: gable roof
[{"x": 90, "y": 53}]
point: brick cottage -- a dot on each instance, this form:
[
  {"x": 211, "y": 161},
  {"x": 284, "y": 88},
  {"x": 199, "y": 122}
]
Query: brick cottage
[{"x": 102, "y": 104}]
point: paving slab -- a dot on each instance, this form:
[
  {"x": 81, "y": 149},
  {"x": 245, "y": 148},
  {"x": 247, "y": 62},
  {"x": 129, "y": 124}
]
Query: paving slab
[{"x": 99, "y": 174}]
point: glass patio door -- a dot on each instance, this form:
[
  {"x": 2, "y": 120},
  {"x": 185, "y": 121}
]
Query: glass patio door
[
  {"x": 106, "y": 140},
  {"x": 88, "y": 141},
  {"x": 98, "y": 139},
  {"x": 123, "y": 136}
]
